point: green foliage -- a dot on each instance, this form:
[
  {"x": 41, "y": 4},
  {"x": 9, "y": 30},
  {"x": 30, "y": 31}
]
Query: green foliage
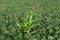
[
  {"x": 17, "y": 22},
  {"x": 26, "y": 24}
]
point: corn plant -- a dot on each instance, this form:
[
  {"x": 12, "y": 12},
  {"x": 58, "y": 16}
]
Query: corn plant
[{"x": 26, "y": 24}]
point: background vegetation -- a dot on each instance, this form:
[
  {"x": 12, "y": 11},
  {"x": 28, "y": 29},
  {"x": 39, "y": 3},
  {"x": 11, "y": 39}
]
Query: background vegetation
[{"x": 46, "y": 15}]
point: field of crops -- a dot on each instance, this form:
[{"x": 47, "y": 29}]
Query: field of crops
[{"x": 29, "y": 19}]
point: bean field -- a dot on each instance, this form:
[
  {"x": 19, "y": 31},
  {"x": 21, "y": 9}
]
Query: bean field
[{"x": 29, "y": 19}]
